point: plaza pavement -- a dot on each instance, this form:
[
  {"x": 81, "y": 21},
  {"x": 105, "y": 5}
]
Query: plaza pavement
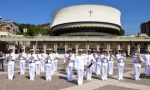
[{"x": 59, "y": 81}]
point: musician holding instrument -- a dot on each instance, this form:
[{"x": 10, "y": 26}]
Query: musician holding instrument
[
  {"x": 104, "y": 64},
  {"x": 37, "y": 62},
  {"x": 110, "y": 57},
  {"x": 120, "y": 57},
  {"x": 90, "y": 64},
  {"x": 147, "y": 63},
  {"x": 11, "y": 63},
  {"x": 56, "y": 55},
  {"x": 43, "y": 59},
  {"x": 49, "y": 64},
  {"x": 69, "y": 64},
  {"x": 98, "y": 63},
  {"x": 22, "y": 59},
  {"x": 79, "y": 66},
  {"x": 31, "y": 61},
  {"x": 137, "y": 60}
]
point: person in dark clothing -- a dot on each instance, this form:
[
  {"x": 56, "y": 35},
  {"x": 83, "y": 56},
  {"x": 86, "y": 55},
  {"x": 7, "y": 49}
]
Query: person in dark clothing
[{"x": 1, "y": 61}]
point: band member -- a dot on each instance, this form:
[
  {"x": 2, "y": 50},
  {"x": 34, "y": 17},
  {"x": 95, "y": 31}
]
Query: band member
[
  {"x": 11, "y": 63},
  {"x": 90, "y": 65},
  {"x": 85, "y": 61},
  {"x": 95, "y": 55},
  {"x": 1, "y": 60},
  {"x": 55, "y": 60},
  {"x": 69, "y": 63},
  {"x": 136, "y": 59},
  {"x": 110, "y": 57},
  {"x": 66, "y": 56},
  {"x": 104, "y": 65},
  {"x": 79, "y": 66},
  {"x": 37, "y": 62},
  {"x": 147, "y": 63},
  {"x": 31, "y": 60},
  {"x": 22, "y": 58},
  {"x": 120, "y": 57},
  {"x": 43, "y": 59},
  {"x": 48, "y": 64},
  {"x": 98, "y": 64}
]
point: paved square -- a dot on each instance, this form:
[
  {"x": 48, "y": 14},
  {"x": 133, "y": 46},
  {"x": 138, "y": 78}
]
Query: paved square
[{"x": 59, "y": 81}]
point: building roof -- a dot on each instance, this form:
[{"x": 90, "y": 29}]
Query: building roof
[{"x": 87, "y": 13}]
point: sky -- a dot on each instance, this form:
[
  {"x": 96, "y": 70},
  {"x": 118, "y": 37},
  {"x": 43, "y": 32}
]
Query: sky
[{"x": 133, "y": 12}]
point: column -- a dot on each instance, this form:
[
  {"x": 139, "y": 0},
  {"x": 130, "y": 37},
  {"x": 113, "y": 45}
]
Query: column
[
  {"x": 44, "y": 47},
  {"x": 24, "y": 45},
  {"x": 118, "y": 46},
  {"x": 66, "y": 46},
  {"x": 148, "y": 46},
  {"x": 98, "y": 46},
  {"x": 34, "y": 48},
  {"x": 77, "y": 48},
  {"x": 128, "y": 51},
  {"x": 138, "y": 47},
  {"x": 55, "y": 47},
  {"x": 14, "y": 48},
  {"x": 36, "y": 45},
  {"x": 108, "y": 47},
  {"x": 87, "y": 46}
]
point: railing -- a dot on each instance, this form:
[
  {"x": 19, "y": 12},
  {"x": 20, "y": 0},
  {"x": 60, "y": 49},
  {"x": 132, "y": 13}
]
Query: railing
[{"x": 74, "y": 38}]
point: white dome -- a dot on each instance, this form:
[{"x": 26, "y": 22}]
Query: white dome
[{"x": 87, "y": 13}]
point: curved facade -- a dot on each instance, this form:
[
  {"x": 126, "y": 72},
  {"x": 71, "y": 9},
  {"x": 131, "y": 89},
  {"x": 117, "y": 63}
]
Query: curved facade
[{"x": 87, "y": 20}]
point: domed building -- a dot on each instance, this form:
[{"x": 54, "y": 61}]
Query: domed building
[{"x": 88, "y": 20}]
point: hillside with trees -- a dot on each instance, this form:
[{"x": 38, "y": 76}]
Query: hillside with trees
[{"x": 34, "y": 30}]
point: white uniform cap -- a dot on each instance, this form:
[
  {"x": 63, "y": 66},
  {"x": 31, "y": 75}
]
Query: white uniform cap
[
  {"x": 31, "y": 50},
  {"x": 81, "y": 50}
]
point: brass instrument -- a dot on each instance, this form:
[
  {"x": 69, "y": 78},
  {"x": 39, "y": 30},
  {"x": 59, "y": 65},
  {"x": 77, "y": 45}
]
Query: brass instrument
[
  {"x": 9, "y": 58},
  {"x": 48, "y": 59}
]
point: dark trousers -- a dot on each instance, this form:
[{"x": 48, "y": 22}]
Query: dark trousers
[{"x": 1, "y": 65}]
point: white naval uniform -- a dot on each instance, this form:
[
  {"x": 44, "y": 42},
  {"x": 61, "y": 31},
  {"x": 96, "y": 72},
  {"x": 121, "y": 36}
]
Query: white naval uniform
[
  {"x": 85, "y": 62},
  {"x": 11, "y": 64},
  {"x": 56, "y": 61},
  {"x": 98, "y": 65},
  {"x": 91, "y": 59},
  {"x": 95, "y": 55},
  {"x": 43, "y": 59},
  {"x": 70, "y": 62},
  {"x": 120, "y": 59},
  {"x": 110, "y": 59},
  {"x": 79, "y": 66},
  {"x": 22, "y": 58},
  {"x": 31, "y": 59},
  {"x": 104, "y": 67},
  {"x": 37, "y": 64},
  {"x": 48, "y": 66},
  {"x": 65, "y": 57},
  {"x": 137, "y": 67},
  {"x": 147, "y": 64}
]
